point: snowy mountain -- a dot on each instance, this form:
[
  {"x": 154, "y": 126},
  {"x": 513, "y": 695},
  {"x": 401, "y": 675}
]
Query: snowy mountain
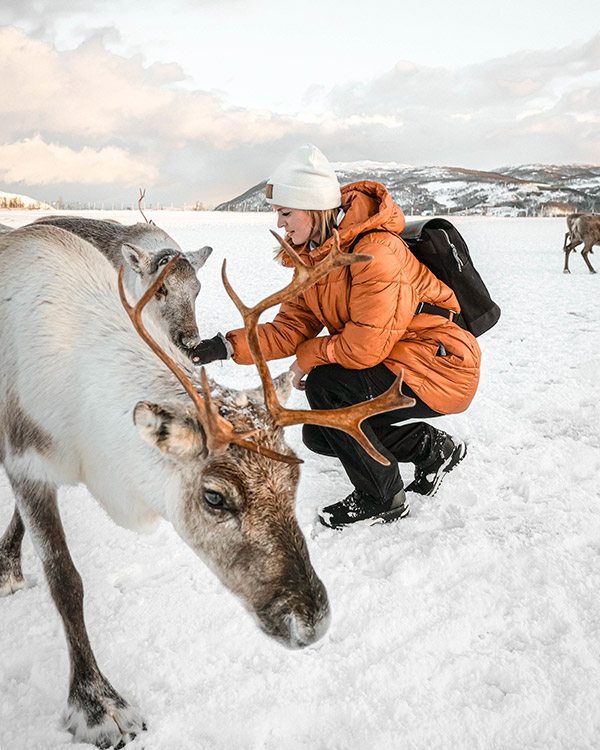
[
  {"x": 14, "y": 200},
  {"x": 524, "y": 190}
]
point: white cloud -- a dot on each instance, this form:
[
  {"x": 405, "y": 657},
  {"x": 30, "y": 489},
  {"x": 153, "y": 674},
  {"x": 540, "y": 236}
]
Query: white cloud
[
  {"x": 91, "y": 93},
  {"x": 34, "y": 162},
  {"x": 529, "y": 106},
  {"x": 91, "y": 97},
  {"x": 502, "y": 83},
  {"x": 90, "y": 116},
  {"x": 18, "y": 9}
]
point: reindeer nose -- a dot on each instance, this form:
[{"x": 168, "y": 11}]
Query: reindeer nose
[
  {"x": 303, "y": 633},
  {"x": 189, "y": 340},
  {"x": 299, "y": 619}
]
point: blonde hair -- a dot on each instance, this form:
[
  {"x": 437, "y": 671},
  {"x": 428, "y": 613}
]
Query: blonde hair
[{"x": 323, "y": 221}]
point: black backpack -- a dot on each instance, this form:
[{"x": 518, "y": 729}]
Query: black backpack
[{"x": 437, "y": 244}]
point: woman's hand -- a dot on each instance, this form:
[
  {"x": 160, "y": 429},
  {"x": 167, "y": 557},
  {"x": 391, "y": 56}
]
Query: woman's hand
[
  {"x": 298, "y": 382},
  {"x": 208, "y": 350}
]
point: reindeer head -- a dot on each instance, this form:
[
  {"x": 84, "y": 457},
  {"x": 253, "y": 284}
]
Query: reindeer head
[
  {"x": 146, "y": 252},
  {"x": 238, "y": 479},
  {"x": 235, "y": 509}
]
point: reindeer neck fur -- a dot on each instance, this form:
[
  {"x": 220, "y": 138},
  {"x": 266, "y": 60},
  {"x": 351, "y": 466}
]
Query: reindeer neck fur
[
  {"x": 88, "y": 435},
  {"x": 108, "y": 236}
]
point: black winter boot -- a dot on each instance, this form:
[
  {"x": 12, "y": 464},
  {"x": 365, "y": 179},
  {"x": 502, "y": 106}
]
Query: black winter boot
[
  {"x": 359, "y": 506},
  {"x": 445, "y": 453}
]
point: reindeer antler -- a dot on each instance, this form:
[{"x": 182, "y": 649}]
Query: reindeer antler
[
  {"x": 348, "y": 418},
  {"x": 219, "y": 431},
  {"x": 142, "y": 195}
]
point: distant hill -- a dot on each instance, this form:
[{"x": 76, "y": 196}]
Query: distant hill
[
  {"x": 524, "y": 190},
  {"x": 14, "y": 200}
]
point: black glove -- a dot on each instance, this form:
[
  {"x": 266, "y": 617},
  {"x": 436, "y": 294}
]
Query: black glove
[{"x": 209, "y": 349}]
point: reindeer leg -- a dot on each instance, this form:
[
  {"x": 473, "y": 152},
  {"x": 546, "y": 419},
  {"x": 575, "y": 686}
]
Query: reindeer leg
[
  {"x": 11, "y": 575},
  {"x": 96, "y": 713},
  {"x": 584, "y": 254},
  {"x": 571, "y": 246},
  {"x": 566, "y": 267}
]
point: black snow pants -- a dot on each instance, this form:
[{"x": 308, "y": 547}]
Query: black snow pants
[{"x": 332, "y": 387}]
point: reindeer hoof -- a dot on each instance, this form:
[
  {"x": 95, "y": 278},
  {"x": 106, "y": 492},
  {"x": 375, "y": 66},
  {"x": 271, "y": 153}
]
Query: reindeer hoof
[
  {"x": 566, "y": 270},
  {"x": 8, "y": 587},
  {"x": 107, "y": 722},
  {"x": 11, "y": 582}
]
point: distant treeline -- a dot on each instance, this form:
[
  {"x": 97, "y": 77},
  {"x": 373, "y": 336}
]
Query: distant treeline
[{"x": 15, "y": 202}]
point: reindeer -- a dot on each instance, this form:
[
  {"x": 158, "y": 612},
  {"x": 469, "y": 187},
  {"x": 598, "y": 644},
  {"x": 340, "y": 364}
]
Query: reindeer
[
  {"x": 582, "y": 228},
  {"x": 145, "y": 249},
  {"x": 215, "y": 465}
]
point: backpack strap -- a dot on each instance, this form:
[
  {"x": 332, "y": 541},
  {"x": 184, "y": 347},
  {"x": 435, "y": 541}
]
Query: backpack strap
[
  {"x": 425, "y": 307},
  {"x": 422, "y": 307}
]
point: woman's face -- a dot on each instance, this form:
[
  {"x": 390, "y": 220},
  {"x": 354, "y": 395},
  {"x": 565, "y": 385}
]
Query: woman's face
[{"x": 296, "y": 222}]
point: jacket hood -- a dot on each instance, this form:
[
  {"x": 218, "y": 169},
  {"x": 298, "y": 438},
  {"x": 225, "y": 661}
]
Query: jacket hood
[{"x": 368, "y": 205}]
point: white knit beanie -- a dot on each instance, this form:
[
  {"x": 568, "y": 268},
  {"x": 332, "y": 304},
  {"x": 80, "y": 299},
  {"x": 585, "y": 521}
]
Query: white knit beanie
[{"x": 305, "y": 179}]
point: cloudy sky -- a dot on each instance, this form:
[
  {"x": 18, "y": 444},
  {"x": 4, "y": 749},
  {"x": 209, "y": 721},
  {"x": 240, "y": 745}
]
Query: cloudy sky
[{"x": 197, "y": 100}]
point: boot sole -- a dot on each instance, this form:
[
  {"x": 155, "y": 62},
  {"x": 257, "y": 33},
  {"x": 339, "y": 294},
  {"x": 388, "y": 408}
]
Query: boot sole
[{"x": 388, "y": 517}]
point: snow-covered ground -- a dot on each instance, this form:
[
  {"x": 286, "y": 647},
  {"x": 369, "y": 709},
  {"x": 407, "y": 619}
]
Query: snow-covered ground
[{"x": 474, "y": 623}]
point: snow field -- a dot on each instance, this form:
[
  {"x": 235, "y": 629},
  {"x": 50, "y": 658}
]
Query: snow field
[{"x": 473, "y": 623}]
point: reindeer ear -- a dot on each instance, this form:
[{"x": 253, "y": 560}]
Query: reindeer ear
[
  {"x": 283, "y": 389},
  {"x": 199, "y": 257},
  {"x": 283, "y": 386},
  {"x": 169, "y": 428},
  {"x": 136, "y": 258}
]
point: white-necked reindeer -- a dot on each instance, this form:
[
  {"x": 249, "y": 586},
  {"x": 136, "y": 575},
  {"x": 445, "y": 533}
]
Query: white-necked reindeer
[
  {"x": 582, "y": 229},
  {"x": 144, "y": 249},
  {"x": 97, "y": 405}
]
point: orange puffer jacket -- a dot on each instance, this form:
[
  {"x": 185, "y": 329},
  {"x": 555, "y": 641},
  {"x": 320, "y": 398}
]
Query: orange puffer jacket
[{"x": 368, "y": 309}]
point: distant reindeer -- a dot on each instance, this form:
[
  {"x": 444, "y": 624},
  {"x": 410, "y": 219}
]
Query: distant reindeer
[
  {"x": 145, "y": 249},
  {"x": 582, "y": 228},
  {"x": 102, "y": 405}
]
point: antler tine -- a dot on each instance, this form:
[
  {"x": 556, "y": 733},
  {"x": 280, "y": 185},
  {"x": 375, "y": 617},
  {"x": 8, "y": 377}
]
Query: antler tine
[
  {"x": 142, "y": 195},
  {"x": 304, "y": 275},
  {"x": 348, "y": 418},
  {"x": 135, "y": 314},
  {"x": 219, "y": 431}
]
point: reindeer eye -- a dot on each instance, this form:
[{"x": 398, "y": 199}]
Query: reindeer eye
[{"x": 214, "y": 499}]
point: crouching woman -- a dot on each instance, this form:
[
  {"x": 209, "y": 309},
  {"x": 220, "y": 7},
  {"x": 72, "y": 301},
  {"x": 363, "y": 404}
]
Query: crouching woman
[{"x": 373, "y": 332}]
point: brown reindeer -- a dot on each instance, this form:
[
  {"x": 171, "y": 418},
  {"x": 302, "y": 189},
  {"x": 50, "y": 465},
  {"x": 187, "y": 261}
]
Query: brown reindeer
[
  {"x": 582, "y": 229},
  {"x": 103, "y": 406}
]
